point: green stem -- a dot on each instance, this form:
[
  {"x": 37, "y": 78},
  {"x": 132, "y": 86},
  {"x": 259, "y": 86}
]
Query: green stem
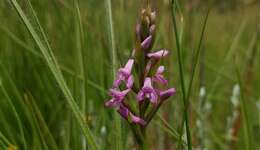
[
  {"x": 152, "y": 113},
  {"x": 246, "y": 125},
  {"x": 194, "y": 66},
  {"x": 139, "y": 135},
  {"x": 180, "y": 62}
]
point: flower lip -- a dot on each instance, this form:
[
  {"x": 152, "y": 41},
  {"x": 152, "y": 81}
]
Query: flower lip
[
  {"x": 159, "y": 54},
  {"x": 147, "y": 91}
]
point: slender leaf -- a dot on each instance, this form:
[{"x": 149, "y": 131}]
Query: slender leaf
[{"x": 52, "y": 63}]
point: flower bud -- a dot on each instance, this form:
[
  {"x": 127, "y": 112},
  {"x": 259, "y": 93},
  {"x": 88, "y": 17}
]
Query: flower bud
[
  {"x": 147, "y": 43},
  {"x": 152, "y": 29},
  {"x": 153, "y": 17},
  {"x": 138, "y": 31}
]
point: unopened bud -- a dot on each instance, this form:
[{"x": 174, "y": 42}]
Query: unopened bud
[
  {"x": 152, "y": 29},
  {"x": 147, "y": 43},
  {"x": 153, "y": 17},
  {"x": 138, "y": 31}
]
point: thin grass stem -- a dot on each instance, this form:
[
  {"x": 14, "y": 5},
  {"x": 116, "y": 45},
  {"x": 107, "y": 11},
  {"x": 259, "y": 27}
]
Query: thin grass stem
[
  {"x": 180, "y": 63},
  {"x": 118, "y": 141}
]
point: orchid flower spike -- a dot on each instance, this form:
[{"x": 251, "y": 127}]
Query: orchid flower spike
[
  {"x": 144, "y": 61},
  {"x": 124, "y": 74},
  {"x": 148, "y": 92}
]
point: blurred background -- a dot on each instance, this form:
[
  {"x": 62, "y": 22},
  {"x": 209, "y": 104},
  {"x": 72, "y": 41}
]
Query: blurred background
[{"x": 34, "y": 113}]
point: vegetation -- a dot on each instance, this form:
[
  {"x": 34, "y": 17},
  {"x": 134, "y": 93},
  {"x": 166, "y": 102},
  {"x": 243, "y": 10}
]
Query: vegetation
[{"x": 58, "y": 59}]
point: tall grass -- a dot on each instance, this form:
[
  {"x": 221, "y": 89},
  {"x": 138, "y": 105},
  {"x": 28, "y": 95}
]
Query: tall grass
[
  {"x": 58, "y": 58},
  {"x": 183, "y": 90},
  {"x": 118, "y": 128},
  {"x": 52, "y": 63}
]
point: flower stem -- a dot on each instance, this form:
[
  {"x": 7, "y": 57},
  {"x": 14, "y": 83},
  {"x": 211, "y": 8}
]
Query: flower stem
[
  {"x": 152, "y": 113},
  {"x": 139, "y": 135}
]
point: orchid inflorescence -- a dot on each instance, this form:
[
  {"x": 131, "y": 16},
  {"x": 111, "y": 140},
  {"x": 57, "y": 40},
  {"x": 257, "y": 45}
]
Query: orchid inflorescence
[{"x": 148, "y": 85}]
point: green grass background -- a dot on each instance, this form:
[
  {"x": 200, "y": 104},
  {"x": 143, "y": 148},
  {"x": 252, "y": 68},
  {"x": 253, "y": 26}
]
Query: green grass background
[{"x": 36, "y": 114}]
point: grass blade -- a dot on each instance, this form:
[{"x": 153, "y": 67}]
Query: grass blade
[
  {"x": 62, "y": 67},
  {"x": 40, "y": 122},
  {"x": 40, "y": 125},
  {"x": 19, "y": 122},
  {"x": 246, "y": 125},
  {"x": 81, "y": 70},
  {"x": 180, "y": 63},
  {"x": 167, "y": 127},
  {"x": 4, "y": 140},
  {"x": 118, "y": 129},
  {"x": 230, "y": 53},
  {"x": 194, "y": 66},
  {"x": 49, "y": 57}
]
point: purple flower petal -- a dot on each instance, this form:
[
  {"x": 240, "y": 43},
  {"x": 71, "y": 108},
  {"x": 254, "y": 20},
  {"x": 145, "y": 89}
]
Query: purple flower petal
[
  {"x": 140, "y": 96},
  {"x": 117, "y": 82},
  {"x": 118, "y": 94},
  {"x": 153, "y": 98},
  {"x": 137, "y": 120},
  {"x": 160, "y": 70},
  {"x": 167, "y": 93},
  {"x": 130, "y": 82},
  {"x": 118, "y": 97},
  {"x": 112, "y": 103},
  {"x": 129, "y": 116},
  {"x": 124, "y": 74},
  {"x": 147, "y": 42},
  {"x": 147, "y": 91},
  {"x": 123, "y": 111},
  {"x": 129, "y": 65},
  {"x": 126, "y": 71},
  {"x": 158, "y": 54},
  {"x": 158, "y": 77},
  {"x": 148, "y": 83}
]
